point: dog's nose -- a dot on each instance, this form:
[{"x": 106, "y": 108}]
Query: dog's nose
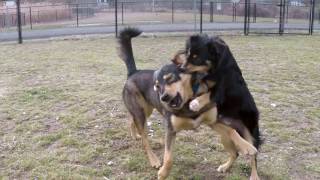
[{"x": 165, "y": 98}]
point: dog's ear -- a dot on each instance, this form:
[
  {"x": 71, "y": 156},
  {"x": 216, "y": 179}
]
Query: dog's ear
[
  {"x": 217, "y": 46},
  {"x": 180, "y": 58},
  {"x": 220, "y": 51}
]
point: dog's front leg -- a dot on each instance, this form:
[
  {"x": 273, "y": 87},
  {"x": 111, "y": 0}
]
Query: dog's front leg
[
  {"x": 168, "y": 155},
  {"x": 199, "y": 102}
]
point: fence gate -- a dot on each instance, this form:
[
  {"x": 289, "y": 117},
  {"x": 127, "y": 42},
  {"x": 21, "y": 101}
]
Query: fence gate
[{"x": 283, "y": 17}]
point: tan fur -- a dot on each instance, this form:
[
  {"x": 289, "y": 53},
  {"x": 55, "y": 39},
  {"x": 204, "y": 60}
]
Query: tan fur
[
  {"x": 146, "y": 107},
  {"x": 200, "y": 102},
  {"x": 231, "y": 149},
  {"x": 180, "y": 123},
  {"x": 254, "y": 171},
  {"x": 164, "y": 171},
  {"x": 168, "y": 76},
  {"x": 229, "y": 138},
  {"x": 243, "y": 146},
  {"x": 153, "y": 159},
  {"x": 179, "y": 58},
  {"x": 183, "y": 87},
  {"x": 133, "y": 130}
]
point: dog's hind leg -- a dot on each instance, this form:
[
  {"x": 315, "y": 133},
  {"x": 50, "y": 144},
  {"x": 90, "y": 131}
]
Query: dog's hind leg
[
  {"x": 254, "y": 171},
  {"x": 140, "y": 121},
  {"x": 253, "y": 158},
  {"x": 164, "y": 171},
  {"x": 133, "y": 130},
  {"x": 139, "y": 110},
  {"x": 153, "y": 159},
  {"x": 231, "y": 149},
  {"x": 244, "y": 146}
]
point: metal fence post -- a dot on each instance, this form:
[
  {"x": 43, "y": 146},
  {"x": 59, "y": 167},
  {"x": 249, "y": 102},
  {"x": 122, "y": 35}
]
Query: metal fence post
[
  {"x": 70, "y": 12},
  {"x": 249, "y": 13},
  {"x": 24, "y": 19},
  {"x": 56, "y": 14},
  {"x": 319, "y": 16},
  {"x": 211, "y": 11},
  {"x": 312, "y": 17},
  {"x": 88, "y": 10},
  {"x": 255, "y": 13},
  {"x": 4, "y": 20},
  {"x": 287, "y": 13},
  {"x": 283, "y": 15},
  {"x": 233, "y": 7},
  {"x": 116, "y": 16},
  {"x": 195, "y": 14},
  {"x": 280, "y": 18},
  {"x": 30, "y": 14},
  {"x": 249, "y": 17},
  {"x": 122, "y": 13},
  {"x": 19, "y": 22},
  {"x": 77, "y": 10},
  {"x": 172, "y": 11},
  {"x": 235, "y": 12},
  {"x": 245, "y": 17},
  {"x": 201, "y": 9}
]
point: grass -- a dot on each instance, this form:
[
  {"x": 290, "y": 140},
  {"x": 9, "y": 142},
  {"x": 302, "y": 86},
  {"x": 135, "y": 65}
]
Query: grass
[{"x": 62, "y": 117}]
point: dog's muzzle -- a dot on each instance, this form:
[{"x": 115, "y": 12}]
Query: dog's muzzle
[{"x": 172, "y": 102}]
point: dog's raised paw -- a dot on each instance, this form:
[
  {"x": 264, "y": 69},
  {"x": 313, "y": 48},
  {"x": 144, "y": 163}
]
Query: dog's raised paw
[{"x": 194, "y": 105}]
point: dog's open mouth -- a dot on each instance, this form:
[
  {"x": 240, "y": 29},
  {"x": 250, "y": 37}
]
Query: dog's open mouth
[{"x": 176, "y": 101}]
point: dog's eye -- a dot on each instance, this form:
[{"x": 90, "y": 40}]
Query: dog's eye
[{"x": 194, "y": 56}]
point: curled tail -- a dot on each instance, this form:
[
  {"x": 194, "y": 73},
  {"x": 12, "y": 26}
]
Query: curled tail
[{"x": 126, "y": 53}]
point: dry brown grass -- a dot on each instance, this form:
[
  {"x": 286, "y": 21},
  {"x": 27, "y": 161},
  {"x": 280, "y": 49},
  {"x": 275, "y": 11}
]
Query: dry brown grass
[{"x": 61, "y": 114}]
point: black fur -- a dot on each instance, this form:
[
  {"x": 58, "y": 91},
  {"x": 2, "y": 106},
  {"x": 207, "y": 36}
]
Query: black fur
[
  {"x": 126, "y": 48},
  {"x": 230, "y": 92}
]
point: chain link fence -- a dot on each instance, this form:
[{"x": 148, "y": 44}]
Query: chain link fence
[{"x": 166, "y": 15}]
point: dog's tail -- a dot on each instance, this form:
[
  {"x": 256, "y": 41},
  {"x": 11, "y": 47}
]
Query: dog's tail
[{"x": 126, "y": 53}]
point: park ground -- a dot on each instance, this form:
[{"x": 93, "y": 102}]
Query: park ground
[{"x": 62, "y": 117}]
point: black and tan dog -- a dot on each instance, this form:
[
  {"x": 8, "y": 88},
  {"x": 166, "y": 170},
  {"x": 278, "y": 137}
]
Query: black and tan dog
[
  {"x": 235, "y": 104},
  {"x": 168, "y": 90}
]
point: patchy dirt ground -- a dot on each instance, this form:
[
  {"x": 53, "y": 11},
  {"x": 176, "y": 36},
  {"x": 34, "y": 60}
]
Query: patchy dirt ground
[{"x": 61, "y": 114}]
